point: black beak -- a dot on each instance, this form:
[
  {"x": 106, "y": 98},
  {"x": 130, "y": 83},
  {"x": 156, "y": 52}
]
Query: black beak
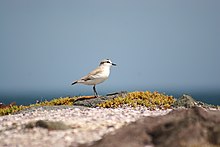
[{"x": 113, "y": 64}]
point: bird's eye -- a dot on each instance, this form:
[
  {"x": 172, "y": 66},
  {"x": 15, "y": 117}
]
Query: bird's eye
[{"x": 108, "y": 62}]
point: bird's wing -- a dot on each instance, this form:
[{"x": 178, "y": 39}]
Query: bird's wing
[{"x": 91, "y": 75}]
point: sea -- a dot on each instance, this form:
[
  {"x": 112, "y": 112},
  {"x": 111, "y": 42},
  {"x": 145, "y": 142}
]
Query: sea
[{"x": 31, "y": 98}]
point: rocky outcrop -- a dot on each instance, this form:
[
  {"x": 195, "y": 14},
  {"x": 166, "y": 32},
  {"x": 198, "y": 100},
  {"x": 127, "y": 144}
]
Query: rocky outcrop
[
  {"x": 182, "y": 127},
  {"x": 186, "y": 101},
  {"x": 189, "y": 123}
]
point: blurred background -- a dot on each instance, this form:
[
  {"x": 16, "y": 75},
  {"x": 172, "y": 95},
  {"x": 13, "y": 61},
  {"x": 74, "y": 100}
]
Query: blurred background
[{"x": 166, "y": 46}]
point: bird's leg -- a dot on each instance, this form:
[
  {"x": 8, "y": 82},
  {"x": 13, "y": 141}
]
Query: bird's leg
[{"x": 95, "y": 92}]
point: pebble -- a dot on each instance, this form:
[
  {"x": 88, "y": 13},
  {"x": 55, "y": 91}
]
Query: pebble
[{"x": 88, "y": 125}]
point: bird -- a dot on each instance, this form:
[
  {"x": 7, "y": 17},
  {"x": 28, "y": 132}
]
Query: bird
[{"x": 97, "y": 76}]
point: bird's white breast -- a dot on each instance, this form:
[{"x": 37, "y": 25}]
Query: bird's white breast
[{"x": 100, "y": 77}]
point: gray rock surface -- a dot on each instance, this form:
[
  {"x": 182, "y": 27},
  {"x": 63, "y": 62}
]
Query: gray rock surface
[
  {"x": 93, "y": 102},
  {"x": 184, "y": 127}
]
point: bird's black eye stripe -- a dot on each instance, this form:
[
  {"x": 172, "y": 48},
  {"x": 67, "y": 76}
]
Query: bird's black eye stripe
[{"x": 105, "y": 62}]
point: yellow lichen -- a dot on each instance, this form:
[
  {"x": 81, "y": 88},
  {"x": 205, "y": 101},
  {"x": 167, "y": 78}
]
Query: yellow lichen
[
  {"x": 12, "y": 108},
  {"x": 148, "y": 99}
]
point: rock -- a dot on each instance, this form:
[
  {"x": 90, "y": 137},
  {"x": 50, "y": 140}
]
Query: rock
[
  {"x": 94, "y": 101},
  {"x": 187, "y": 101},
  {"x": 50, "y": 125},
  {"x": 182, "y": 127}
]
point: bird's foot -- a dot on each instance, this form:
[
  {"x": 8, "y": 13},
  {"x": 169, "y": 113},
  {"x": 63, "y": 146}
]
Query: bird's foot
[{"x": 96, "y": 96}]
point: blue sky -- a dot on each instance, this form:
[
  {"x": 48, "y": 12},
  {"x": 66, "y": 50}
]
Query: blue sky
[{"x": 157, "y": 45}]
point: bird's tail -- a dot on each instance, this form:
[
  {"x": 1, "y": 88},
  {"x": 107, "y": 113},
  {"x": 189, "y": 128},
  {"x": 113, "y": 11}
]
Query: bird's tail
[{"x": 74, "y": 82}]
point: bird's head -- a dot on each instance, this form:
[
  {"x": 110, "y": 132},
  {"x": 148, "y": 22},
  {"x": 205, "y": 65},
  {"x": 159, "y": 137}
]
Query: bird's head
[{"x": 107, "y": 62}]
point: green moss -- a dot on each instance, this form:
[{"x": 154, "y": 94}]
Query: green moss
[
  {"x": 152, "y": 100},
  {"x": 12, "y": 108}
]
